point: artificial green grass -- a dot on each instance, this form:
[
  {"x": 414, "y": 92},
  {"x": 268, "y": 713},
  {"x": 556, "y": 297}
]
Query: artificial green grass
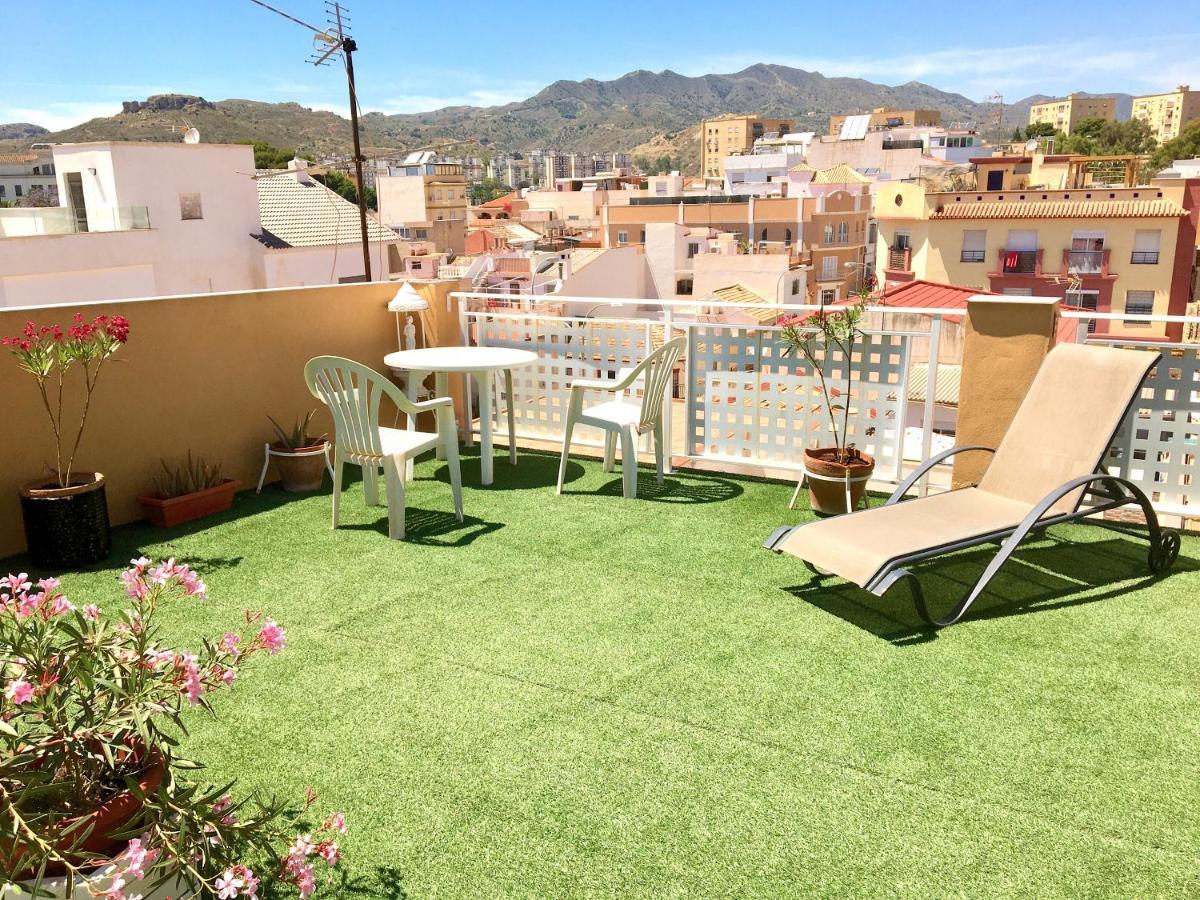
[{"x": 584, "y": 696}]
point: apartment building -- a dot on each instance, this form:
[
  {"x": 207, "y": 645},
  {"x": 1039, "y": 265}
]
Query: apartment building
[
  {"x": 726, "y": 135},
  {"x": 1112, "y": 249},
  {"x": 1065, "y": 112},
  {"x": 884, "y": 117},
  {"x": 424, "y": 199},
  {"x": 1168, "y": 114},
  {"x": 26, "y": 171},
  {"x": 897, "y": 153}
]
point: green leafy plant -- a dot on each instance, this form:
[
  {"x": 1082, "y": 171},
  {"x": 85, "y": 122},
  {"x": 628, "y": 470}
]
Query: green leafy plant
[
  {"x": 298, "y": 436},
  {"x": 188, "y": 477},
  {"x": 811, "y": 337}
]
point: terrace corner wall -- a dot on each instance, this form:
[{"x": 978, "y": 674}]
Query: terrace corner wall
[{"x": 200, "y": 372}]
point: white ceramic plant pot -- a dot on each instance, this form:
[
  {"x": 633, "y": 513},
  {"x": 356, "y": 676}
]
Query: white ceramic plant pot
[{"x": 98, "y": 882}]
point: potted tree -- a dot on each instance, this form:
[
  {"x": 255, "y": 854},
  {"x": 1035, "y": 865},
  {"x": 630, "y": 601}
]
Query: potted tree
[
  {"x": 300, "y": 456},
  {"x": 837, "y": 475},
  {"x": 191, "y": 490},
  {"x": 96, "y": 800},
  {"x": 65, "y": 512}
]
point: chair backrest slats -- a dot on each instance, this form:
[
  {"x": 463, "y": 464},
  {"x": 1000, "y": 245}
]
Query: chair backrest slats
[
  {"x": 1066, "y": 421},
  {"x": 353, "y": 392},
  {"x": 655, "y": 371}
]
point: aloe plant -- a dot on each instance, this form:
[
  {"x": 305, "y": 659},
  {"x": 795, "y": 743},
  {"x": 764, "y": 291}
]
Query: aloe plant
[
  {"x": 298, "y": 436},
  {"x": 187, "y": 478}
]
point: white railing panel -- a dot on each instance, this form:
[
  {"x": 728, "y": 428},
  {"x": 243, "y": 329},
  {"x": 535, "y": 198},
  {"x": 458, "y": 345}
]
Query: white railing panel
[
  {"x": 1157, "y": 447},
  {"x": 568, "y": 348},
  {"x": 748, "y": 402}
]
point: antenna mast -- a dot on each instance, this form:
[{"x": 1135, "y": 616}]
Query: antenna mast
[
  {"x": 327, "y": 42},
  {"x": 998, "y": 99}
]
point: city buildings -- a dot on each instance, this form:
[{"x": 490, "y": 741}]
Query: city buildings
[
  {"x": 1168, "y": 114},
  {"x": 1113, "y": 249},
  {"x": 1065, "y": 112},
  {"x": 424, "y": 199},
  {"x": 25, "y": 171},
  {"x": 884, "y": 117},
  {"x": 726, "y": 135}
]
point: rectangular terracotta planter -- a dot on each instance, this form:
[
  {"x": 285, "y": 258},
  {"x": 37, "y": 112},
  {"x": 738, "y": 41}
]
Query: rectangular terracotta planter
[{"x": 177, "y": 510}]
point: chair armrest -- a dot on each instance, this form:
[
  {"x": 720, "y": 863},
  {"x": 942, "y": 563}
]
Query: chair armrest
[
  {"x": 594, "y": 384},
  {"x": 924, "y": 467},
  {"x": 435, "y": 403}
]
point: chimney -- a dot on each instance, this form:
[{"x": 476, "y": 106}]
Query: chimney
[{"x": 299, "y": 169}]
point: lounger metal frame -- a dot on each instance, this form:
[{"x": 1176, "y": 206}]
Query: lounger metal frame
[{"x": 1103, "y": 491}]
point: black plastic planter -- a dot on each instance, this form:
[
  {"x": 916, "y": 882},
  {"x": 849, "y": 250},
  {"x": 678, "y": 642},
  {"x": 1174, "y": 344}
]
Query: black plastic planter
[{"x": 66, "y": 528}]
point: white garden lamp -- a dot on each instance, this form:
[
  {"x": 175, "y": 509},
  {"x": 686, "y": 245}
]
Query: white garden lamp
[{"x": 407, "y": 301}]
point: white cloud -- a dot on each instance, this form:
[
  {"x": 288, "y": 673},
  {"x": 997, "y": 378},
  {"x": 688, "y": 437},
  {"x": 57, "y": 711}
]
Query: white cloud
[{"x": 57, "y": 116}]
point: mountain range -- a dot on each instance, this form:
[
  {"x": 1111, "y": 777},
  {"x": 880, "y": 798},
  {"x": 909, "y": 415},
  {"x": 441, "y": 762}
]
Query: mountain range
[{"x": 647, "y": 113}]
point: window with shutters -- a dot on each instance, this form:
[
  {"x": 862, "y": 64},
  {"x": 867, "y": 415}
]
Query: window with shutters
[
  {"x": 974, "y": 246},
  {"x": 1139, "y": 303},
  {"x": 1145, "y": 248}
]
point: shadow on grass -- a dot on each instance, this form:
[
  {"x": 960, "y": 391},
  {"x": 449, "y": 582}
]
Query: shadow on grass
[
  {"x": 684, "y": 491},
  {"x": 1052, "y": 573},
  {"x": 388, "y": 884},
  {"x": 534, "y": 469},
  {"x": 432, "y": 527}
]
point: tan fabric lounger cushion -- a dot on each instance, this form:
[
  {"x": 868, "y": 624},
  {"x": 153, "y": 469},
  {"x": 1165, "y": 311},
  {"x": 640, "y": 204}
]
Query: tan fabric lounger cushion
[{"x": 857, "y": 546}]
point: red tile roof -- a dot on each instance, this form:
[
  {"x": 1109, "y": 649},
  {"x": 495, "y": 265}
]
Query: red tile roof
[
  {"x": 920, "y": 293},
  {"x": 504, "y": 202}
]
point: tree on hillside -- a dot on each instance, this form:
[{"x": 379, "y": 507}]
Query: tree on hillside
[
  {"x": 1186, "y": 146},
  {"x": 1036, "y": 130},
  {"x": 268, "y": 156},
  {"x": 1101, "y": 137}
]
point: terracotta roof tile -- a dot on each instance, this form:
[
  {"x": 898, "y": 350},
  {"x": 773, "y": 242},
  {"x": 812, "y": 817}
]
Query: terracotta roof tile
[{"x": 1060, "y": 209}]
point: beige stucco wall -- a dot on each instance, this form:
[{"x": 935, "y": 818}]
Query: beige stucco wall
[{"x": 199, "y": 373}]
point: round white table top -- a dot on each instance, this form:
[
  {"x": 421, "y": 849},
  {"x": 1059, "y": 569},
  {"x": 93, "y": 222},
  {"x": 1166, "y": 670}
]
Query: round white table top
[{"x": 459, "y": 359}]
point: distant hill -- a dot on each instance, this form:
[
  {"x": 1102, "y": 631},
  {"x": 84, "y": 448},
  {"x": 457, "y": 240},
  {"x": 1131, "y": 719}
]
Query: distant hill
[
  {"x": 21, "y": 131},
  {"x": 653, "y": 112}
]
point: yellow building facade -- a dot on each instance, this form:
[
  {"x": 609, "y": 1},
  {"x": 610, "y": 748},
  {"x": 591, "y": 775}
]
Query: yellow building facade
[
  {"x": 1112, "y": 253},
  {"x": 1064, "y": 113},
  {"x": 1168, "y": 114},
  {"x": 725, "y": 135}
]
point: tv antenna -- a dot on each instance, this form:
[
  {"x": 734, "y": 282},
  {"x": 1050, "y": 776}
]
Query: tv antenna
[
  {"x": 330, "y": 41},
  {"x": 998, "y": 99}
]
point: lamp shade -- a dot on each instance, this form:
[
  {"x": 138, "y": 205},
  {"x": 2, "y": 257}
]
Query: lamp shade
[{"x": 407, "y": 300}]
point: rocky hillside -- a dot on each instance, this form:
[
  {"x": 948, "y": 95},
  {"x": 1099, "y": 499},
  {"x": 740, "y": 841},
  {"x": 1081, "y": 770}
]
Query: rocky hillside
[
  {"x": 21, "y": 131},
  {"x": 656, "y": 113}
]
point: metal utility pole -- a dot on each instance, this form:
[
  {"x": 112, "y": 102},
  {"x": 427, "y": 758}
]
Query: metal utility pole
[
  {"x": 337, "y": 39},
  {"x": 998, "y": 98}
]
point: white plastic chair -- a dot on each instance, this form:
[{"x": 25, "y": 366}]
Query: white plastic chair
[
  {"x": 352, "y": 392},
  {"x": 625, "y": 419}
]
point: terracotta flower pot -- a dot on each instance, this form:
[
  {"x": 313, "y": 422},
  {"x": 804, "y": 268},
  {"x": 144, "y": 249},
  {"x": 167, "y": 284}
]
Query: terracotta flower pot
[
  {"x": 66, "y": 527},
  {"x": 827, "y": 484},
  {"x": 108, "y": 819},
  {"x": 177, "y": 510},
  {"x": 301, "y": 469}
]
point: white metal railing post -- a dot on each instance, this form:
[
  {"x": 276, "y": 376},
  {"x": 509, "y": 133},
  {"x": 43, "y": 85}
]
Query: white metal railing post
[
  {"x": 668, "y": 399},
  {"x": 935, "y": 340}
]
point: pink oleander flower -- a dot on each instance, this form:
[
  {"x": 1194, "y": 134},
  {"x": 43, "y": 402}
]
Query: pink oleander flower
[
  {"x": 19, "y": 691},
  {"x": 28, "y": 604},
  {"x": 49, "y": 584},
  {"x": 61, "y": 606},
  {"x": 337, "y": 822},
  {"x": 329, "y": 852},
  {"x": 229, "y": 643},
  {"x": 193, "y": 687},
  {"x": 91, "y": 612},
  {"x": 306, "y": 881},
  {"x": 138, "y": 858},
  {"x": 228, "y": 676},
  {"x": 251, "y": 882},
  {"x": 273, "y": 637},
  {"x": 228, "y": 885},
  {"x": 15, "y": 584}
]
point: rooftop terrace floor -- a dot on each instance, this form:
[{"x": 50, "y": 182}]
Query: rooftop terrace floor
[{"x": 579, "y": 695}]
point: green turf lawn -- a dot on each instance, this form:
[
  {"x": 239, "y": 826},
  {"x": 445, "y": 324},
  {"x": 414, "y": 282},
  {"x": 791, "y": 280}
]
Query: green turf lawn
[{"x": 584, "y": 696}]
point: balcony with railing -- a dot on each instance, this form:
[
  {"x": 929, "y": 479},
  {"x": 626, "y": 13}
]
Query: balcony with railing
[
  {"x": 1086, "y": 262},
  {"x": 1019, "y": 262},
  {"x": 1144, "y": 257},
  {"x": 50, "y": 220},
  {"x": 899, "y": 264}
]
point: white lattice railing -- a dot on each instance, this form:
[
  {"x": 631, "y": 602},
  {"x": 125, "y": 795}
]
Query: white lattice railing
[{"x": 740, "y": 401}]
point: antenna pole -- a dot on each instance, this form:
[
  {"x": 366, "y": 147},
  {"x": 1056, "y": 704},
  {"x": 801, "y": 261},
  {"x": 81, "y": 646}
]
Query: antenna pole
[{"x": 348, "y": 48}]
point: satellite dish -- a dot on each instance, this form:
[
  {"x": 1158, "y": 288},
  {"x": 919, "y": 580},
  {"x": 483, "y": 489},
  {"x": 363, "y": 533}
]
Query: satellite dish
[
  {"x": 1030, "y": 145},
  {"x": 191, "y": 136}
]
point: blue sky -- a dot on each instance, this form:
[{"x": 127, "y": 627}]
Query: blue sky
[{"x": 419, "y": 56}]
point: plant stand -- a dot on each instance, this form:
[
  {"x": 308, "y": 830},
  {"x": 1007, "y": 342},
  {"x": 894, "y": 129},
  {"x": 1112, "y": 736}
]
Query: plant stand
[
  {"x": 848, "y": 481},
  {"x": 269, "y": 451}
]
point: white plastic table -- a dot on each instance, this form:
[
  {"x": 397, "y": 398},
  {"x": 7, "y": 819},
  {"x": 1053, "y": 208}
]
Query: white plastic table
[{"x": 480, "y": 362}]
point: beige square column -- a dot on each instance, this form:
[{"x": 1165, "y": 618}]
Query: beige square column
[{"x": 1006, "y": 340}]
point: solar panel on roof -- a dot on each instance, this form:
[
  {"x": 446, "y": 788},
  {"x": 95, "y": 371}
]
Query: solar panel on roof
[{"x": 854, "y": 128}]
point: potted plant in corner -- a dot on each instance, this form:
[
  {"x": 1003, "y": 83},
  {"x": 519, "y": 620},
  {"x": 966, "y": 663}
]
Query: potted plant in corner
[
  {"x": 190, "y": 491},
  {"x": 96, "y": 798},
  {"x": 300, "y": 456},
  {"x": 837, "y": 475},
  {"x": 65, "y": 512}
]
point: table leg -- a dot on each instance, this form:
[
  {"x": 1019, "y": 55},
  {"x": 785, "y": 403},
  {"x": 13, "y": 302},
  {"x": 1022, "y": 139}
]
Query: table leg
[
  {"x": 512, "y": 427},
  {"x": 415, "y": 378},
  {"x": 441, "y": 389},
  {"x": 484, "y": 381}
]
